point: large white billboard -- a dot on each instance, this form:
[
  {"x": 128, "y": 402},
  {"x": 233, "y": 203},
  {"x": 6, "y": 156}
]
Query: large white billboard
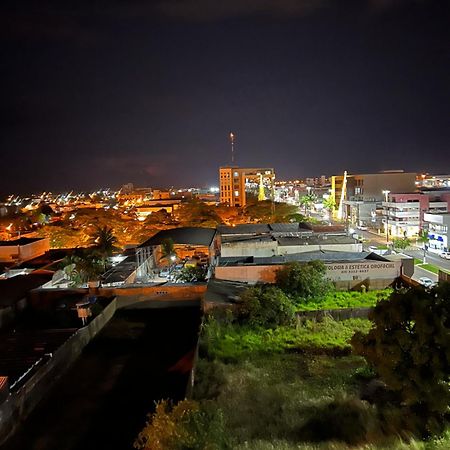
[{"x": 361, "y": 270}]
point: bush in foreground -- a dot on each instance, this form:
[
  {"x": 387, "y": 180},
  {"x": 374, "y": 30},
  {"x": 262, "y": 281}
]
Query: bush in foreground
[
  {"x": 304, "y": 282},
  {"x": 409, "y": 347},
  {"x": 266, "y": 307},
  {"x": 187, "y": 425}
]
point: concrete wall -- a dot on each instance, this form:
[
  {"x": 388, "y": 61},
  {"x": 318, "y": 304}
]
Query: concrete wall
[
  {"x": 249, "y": 248},
  {"x": 161, "y": 295},
  {"x": 24, "y": 252},
  {"x": 373, "y": 274},
  {"x": 270, "y": 248},
  {"x": 292, "y": 249},
  {"x": 20, "y": 403}
]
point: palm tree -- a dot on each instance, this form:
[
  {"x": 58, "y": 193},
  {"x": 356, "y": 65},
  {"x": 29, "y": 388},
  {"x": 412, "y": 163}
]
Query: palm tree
[
  {"x": 103, "y": 241},
  {"x": 423, "y": 238},
  {"x": 329, "y": 203},
  {"x": 82, "y": 266},
  {"x": 307, "y": 201}
]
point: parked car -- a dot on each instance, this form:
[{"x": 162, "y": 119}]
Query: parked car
[
  {"x": 445, "y": 255},
  {"x": 427, "y": 282}
]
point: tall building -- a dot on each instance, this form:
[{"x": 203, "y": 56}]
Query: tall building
[
  {"x": 364, "y": 193},
  {"x": 235, "y": 181}
]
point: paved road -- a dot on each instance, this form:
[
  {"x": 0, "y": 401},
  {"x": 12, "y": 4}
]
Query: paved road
[{"x": 432, "y": 258}]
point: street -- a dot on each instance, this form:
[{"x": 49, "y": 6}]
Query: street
[{"x": 373, "y": 239}]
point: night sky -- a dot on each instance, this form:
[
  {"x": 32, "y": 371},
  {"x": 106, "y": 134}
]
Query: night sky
[{"x": 101, "y": 93}]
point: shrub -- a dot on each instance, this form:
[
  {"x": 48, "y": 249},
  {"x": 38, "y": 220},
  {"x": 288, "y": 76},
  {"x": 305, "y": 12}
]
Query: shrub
[
  {"x": 347, "y": 420},
  {"x": 304, "y": 281},
  {"x": 266, "y": 307},
  {"x": 186, "y": 425}
]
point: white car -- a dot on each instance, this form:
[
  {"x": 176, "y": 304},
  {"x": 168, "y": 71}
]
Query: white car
[
  {"x": 426, "y": 282},
  {"x": 445, "y": 255}
]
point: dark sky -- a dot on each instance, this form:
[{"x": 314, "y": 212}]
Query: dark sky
[{"x": 105, "y": 92}]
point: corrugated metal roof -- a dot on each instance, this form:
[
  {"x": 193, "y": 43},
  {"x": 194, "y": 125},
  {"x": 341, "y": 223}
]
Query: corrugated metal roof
[
  {"x": 183, "y": 235},
  {"x": 315, "y": 240},
  {"x": 250, "y": 228},
  {"x": 325, "y": 256},
  {"x": 285, "y": 227}
]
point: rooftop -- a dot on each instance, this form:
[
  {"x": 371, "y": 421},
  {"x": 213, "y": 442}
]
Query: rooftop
[
  {"x": 14, "y": 289},
  {"x": 184, "y": 235},
  {"x": 20, "y": 241},
  {"x": 321, "y": 255}
]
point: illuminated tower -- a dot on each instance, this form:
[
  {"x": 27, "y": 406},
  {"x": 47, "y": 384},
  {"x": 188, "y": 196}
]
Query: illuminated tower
[{"x": 261, "y": 194}]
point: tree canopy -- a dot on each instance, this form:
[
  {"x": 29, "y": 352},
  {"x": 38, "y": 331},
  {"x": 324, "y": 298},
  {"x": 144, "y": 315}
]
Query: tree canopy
[
  {"x": 409, "y": 348},
  {"x": 267, "y": 211},
  {"x": 197, "y": 213},
  {"x": 266, "y": 306},
  {"x": 303, "y": 281}
]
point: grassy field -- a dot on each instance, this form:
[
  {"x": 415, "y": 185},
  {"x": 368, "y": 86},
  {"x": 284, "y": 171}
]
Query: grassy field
[
  {"x": 351, "y": 299},
  {"x": 295, "y": 388}
]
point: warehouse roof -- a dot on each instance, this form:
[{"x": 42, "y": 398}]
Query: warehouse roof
[{"x": 183, "y": 235}]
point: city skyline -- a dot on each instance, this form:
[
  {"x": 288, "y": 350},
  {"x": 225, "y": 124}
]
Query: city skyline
[{"x": 100, "y": 96}]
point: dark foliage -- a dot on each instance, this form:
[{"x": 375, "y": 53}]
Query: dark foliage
[{"x": 409, "y": 348}]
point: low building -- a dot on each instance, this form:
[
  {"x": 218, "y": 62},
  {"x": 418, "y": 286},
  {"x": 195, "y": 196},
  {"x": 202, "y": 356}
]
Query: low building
[
  {"x": 197, "y": 243},
  {"x": 438, "y": 226},
  {"x": 152, "y": 206},
  {"x": 403, "y": 214},
  {"x": 23, "y": 249},
  {"x": 347, "y": 270},
  {"x": 267, "y": 240}
]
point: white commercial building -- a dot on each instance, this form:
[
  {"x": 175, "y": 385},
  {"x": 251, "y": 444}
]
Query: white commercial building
[{"x": 438, "y": 225}]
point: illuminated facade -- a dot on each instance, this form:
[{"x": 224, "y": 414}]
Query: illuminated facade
[
  {"x": 236, "y": 181},
  {"x": 361, "y": 195}
]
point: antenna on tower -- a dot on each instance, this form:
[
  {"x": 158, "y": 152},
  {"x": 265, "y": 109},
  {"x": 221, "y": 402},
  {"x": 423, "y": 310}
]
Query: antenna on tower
[{"x": 232, "y": 147}]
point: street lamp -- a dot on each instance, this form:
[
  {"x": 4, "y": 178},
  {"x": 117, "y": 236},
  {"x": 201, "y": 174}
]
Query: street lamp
[{"x": 386, "y": 194}]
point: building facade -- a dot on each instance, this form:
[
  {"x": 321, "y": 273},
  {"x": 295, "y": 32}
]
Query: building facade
[
  {"x": 438, "y": 226},
  {"x": 404, "y": 214},
  {"x": 362, "y": 194},
  {"x": 234, "y": 182}
]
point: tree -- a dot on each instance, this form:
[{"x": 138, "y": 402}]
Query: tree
[
  {"x": 329, "y": 203},
  {"x": 168, "y": 248},
  {"x": 266, "y": 306},
  {"x": 161, "y": 217},
  {"x": 401, "y": 243},
  {"x": 409, "y": 348},
  {"x": 267, "y": 211},
  {"x": 104, "y": 242},
  {"x": 424, "y": 239},
  {"x": 306, "y": 201},
  {"x": 82, "y": 266},
  {"x": 303, "y": 281},
  {"x": 197, "y": 213}
]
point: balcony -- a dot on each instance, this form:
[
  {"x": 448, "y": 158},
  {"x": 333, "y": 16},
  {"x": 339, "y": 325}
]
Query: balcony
[
  {"x": 403, "y": 214},
  {"x": 402, "y": 205}
]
